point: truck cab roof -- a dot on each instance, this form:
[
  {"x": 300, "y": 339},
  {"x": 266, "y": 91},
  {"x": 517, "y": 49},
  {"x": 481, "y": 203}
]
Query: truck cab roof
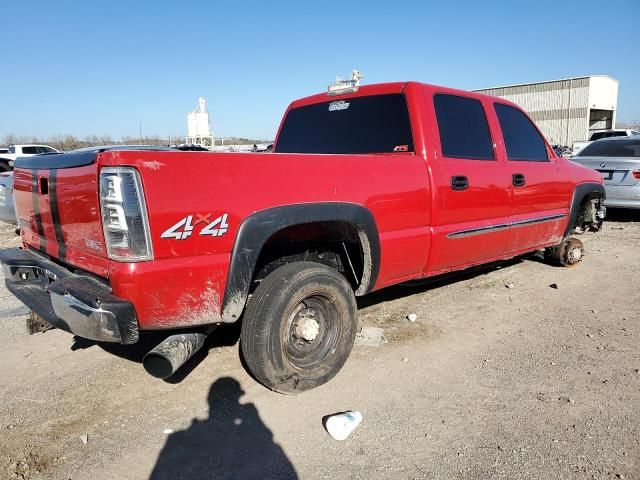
[{"x": 388, "y": 88}]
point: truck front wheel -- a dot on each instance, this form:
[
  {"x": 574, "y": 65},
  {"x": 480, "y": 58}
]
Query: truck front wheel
[
  {"x": 299, "y": 327},
  {"x": 567, "y": 254}
]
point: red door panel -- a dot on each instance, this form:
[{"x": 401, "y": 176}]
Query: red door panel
[
  {"x": 540, "y": 189},
  {"x": 470, "y": 225}
]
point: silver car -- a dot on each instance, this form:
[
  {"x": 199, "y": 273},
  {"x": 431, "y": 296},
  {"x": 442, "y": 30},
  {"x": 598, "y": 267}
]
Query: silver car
[
  {"x": 618, "y": 159},
  {"x": 7, "y": 210}
]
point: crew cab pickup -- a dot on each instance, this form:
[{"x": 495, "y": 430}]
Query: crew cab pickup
[
  {"x": 8, "y": 158},
  {"x": 366, "y": 187}
]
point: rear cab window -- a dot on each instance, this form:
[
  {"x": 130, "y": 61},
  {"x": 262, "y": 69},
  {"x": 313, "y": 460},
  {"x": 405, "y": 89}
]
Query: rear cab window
[
  {"x": 463, "y": 127},
  {"x": 358, "y": 125},
  {"x": 522, "y": 139}
]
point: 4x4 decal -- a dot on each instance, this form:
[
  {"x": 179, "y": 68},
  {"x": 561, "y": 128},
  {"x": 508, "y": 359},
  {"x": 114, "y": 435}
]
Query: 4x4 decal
[{"x": 185, "y": 227}]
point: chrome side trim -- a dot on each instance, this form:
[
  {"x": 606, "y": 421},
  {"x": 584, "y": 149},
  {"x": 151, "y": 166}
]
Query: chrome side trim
[
  {"x": 502, "y": 226},
  {"x": 478, "y": 231},
  {"x": 548, "y": 218}
]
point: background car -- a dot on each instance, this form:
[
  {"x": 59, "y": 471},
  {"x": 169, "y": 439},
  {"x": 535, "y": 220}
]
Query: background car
[
  {"x": 7, "y": 210},
  {"x": 15, "y": 151},
  {"x": 618, "y": 159},
  {"x": 599, "y": 135}
]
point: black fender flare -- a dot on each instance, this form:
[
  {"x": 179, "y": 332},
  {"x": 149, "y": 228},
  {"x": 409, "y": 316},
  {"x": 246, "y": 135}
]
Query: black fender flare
[
  {"x": 583, "y": 191},
  {"x": 256, "y": 229}
]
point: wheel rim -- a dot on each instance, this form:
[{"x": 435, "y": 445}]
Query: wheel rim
[
  {"x": 312, "y": 332},
  {"x": 574, "y": 252}
]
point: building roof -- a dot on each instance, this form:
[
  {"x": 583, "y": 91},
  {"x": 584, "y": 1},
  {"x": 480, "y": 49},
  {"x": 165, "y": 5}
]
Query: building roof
[{"x": 545, "y": 81}]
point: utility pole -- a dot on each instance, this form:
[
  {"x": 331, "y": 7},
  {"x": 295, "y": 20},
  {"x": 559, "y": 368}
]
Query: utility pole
[{"x": 566, "y": 138}]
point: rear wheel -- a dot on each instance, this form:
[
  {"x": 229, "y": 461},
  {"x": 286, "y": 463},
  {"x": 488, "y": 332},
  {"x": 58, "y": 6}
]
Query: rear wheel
[
  {"x": 299, "y": 327},
  {"x": 567, "y": 254},
  {"x": 4, "y": 167}
]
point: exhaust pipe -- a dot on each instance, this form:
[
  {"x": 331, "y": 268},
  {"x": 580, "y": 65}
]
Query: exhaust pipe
[{"x": 165, "y": 360}]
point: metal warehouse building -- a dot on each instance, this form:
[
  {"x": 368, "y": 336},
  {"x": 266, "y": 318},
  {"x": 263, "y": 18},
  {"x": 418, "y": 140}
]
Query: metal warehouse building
[{"x": 566, "y": 110}]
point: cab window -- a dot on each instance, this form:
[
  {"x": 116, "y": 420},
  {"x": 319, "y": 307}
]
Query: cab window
[
  {"x": 521, "y": 137},
  {"x": 463, "y": 127}
]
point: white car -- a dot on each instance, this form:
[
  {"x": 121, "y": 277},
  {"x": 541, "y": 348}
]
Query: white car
[{"x": 15, "y": 151}]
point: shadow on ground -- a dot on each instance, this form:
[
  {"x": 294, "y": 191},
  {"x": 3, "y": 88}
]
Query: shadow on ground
[
  {"x": 225, "y": 335},
  {"x": 622, "y": 215},
  {"x": 232, "y": 443},
  {"x": 420, "y": 286}
]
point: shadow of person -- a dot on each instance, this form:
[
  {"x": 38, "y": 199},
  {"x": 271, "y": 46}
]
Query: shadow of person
[{"x": 232, "y": 443}]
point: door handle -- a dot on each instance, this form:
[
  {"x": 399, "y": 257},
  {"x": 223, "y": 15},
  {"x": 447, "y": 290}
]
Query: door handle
[
  {"x": 517, "y": 179},
  {"x": 459, "y": 183}
]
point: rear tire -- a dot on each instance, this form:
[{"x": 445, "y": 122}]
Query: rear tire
[
  {"x": 4, "y": 167},
  {"x": 299, "y": 327}
]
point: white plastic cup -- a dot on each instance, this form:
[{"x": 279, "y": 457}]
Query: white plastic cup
[{"x": 341, "y": 425}]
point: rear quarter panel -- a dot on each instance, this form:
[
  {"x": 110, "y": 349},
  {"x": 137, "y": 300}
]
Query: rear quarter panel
[{"x": 394, "y": 187}]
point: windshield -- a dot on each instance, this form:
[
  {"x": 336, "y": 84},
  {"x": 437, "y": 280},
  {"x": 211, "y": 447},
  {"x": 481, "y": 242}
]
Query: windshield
[
  {"x": 612, "y": 148},
  {"x": 373, "y": 124}
]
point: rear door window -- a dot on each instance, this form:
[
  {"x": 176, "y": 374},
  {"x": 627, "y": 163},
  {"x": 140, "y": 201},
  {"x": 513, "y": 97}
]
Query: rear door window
[
  {"x": 463, "y": 127},
  {"x": 360, "y": 125},
  {"x": 29, "y": 150},
  {"x": 522, "y": 139}
]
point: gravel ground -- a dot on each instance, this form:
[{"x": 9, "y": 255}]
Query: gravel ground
[{"x": 500, "y": 376}]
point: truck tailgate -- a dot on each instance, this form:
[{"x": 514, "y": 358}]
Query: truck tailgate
[{"x": 58, "y": 209}]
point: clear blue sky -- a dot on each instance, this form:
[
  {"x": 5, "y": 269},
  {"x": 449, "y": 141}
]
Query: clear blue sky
[{"x": 88, "y": 67}]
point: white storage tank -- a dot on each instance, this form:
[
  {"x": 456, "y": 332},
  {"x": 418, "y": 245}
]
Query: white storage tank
[{"x": 198, "y": 121}]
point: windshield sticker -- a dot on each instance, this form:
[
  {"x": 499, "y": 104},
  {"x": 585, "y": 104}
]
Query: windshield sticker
[{"x": 339, "y": 105}]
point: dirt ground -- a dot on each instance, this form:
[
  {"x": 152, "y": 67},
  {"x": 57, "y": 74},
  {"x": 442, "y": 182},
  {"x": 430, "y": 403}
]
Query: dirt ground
[{"x": 501, "y": 376}]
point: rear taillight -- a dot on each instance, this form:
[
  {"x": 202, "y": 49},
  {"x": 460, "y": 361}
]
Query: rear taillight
[
  {"x": 124, "y": 215},
  {"x": 636, "y": 174}
]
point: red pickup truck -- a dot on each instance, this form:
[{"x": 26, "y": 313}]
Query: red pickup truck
[{"x": 366, "y": 188}]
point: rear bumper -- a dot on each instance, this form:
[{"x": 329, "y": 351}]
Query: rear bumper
[
  {"x": 624, "y": 196},
  {"x": 75, "y": 303}
]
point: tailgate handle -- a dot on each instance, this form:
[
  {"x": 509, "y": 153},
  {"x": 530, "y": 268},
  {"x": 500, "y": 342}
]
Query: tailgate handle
[
  {"x": 517, "y": 179},
  {"x": 459, "y": 183}
]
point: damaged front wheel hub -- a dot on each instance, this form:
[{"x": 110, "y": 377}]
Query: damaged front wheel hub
[{"x": 576, "y": 254}]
